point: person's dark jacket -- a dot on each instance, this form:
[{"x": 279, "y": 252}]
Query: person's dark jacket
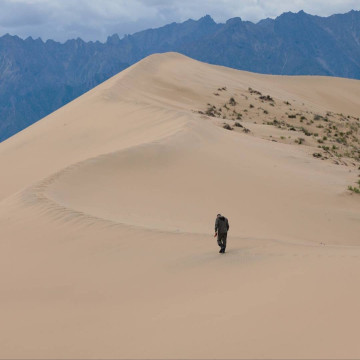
[{"x": 221, "y": 225}]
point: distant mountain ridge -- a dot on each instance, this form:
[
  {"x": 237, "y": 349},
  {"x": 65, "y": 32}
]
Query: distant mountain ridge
[{"x": 39, "y": 77}]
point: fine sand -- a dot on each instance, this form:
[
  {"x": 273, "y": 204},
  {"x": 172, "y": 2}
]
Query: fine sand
[{"x": 107, "y": 211}]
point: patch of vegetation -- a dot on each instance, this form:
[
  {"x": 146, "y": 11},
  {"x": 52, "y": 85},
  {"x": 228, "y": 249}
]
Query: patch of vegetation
[
  {"x": 341, "y": 140},
  {"x": 227, "y": 127},
  {"x": 232, "y": 101},
  {"x": 266, "y": 98},
  {"x": 337, "y": 135},
  {"x": 211, "y": 111},
  {"x": 252, "y": 91},
  {"x": 306, "y": 131},
  {"x": 354, "y": 189}
]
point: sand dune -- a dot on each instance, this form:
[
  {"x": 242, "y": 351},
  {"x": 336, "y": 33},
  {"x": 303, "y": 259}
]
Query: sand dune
[{"x": 107, "y": 209}]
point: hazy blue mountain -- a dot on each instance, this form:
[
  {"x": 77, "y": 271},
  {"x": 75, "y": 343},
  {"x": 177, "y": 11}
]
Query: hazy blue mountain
[{"x": 38, "y": 77}]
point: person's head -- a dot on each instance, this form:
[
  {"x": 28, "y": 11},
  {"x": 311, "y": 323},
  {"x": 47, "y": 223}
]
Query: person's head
[{"x": 218, "y": 215}]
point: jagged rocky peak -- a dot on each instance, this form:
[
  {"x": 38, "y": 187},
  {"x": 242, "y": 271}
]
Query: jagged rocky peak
[
  {"x": 207, "y": 19},
  {"x": 234, "y": 21},
  {"x": 113, "y": 39}
]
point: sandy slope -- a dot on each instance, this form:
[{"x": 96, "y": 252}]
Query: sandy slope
[{"x": 106, "y": 218}]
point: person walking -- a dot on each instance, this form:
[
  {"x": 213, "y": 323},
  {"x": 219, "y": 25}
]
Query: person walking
[{"x": 221, "y": 230}]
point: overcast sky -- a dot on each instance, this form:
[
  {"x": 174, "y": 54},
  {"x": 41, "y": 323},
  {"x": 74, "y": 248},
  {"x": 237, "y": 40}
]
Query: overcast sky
[{"x": 96, "y": 19}]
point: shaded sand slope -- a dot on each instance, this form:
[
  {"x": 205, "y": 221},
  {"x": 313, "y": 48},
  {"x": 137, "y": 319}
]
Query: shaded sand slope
[{"x": 106, "y": 215}]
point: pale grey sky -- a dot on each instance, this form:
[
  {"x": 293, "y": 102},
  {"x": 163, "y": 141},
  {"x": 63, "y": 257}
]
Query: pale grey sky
[{"x": 96, "y": 19}]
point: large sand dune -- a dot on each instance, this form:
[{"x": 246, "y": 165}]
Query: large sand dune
[{"x": 107, "y": 209}]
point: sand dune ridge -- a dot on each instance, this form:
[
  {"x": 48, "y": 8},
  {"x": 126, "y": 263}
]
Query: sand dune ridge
[{"x": 107, "y": 209}]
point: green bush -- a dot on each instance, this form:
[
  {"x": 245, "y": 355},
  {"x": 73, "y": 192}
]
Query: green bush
[
  {"x": 354, "y": 189},
  {"x": 306, "y": 132}
]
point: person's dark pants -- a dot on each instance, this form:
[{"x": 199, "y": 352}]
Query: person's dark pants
[{"x": 222, "y": 240}]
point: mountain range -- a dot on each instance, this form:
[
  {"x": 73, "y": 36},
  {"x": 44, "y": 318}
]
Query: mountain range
[{"x": 39, "y": 77}]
